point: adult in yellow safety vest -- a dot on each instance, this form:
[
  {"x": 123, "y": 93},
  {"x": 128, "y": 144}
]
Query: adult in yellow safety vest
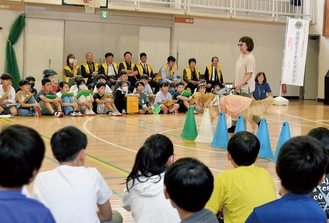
[
  {"x": 213, "y": 74},
  {"x": 191, "y": 75}
]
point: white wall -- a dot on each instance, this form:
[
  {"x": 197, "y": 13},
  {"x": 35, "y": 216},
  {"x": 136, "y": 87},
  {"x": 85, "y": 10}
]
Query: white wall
[
  {"x": 44, "y": 42},
  {"x": 68, "y": 30},
  {"x": 207, "y": 38},
  {"x": 317, "y": 29}
]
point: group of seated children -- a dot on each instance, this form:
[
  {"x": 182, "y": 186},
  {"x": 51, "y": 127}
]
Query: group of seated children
[
  {"x": 245, "y": 193},
  {"x": 78, "y": 101},
  {"x": 160, "y": 189}
]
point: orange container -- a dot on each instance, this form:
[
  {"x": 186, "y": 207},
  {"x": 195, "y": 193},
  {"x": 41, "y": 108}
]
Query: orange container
[{"x": 132, "y": 103}]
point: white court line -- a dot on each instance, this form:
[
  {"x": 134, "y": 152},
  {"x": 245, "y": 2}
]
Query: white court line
[
  {"x": 85, "y": 128},
  {"x": 305, "y": 119}
]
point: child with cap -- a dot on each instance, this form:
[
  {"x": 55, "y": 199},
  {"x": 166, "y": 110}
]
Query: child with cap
[{"x": 49, "y": 73}]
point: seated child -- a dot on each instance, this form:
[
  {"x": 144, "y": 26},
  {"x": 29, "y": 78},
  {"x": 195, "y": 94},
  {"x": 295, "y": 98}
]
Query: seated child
[
  {"x": 180, "y": 99},
  {"x": 27, "y": 105},
  {"x": 7, "y": 96},
  {"x": 120, "y": 99},
  {"x": 184, "y": 179},
  {"x": 238, "y": 191},
  {"x": 50, "y": 74},
  {"x": 301, "y": 166},
  {"x": 320, "y": 192},
  {"x": 144, "y": 105},
  {"x": 123, "y": 76},
  {"x": 69, "y": 106},
  {"x": 72, "y": 191},
  {"x": 163, "y": 97},
  {"x": 147, "y": 88},
  {"x": 74, "y": 87},
  {"x": 31, "y": 81},
  {"x": 21, "y": 155},
  {"x": 103, "y": 105},
  {"x": 102, "y": 78},
  {"x": 84, "y": 101},
  {"x": 201, "y": 88},
  {"x": 144, "y": 195},
  {"x": 48, "y": 105}
]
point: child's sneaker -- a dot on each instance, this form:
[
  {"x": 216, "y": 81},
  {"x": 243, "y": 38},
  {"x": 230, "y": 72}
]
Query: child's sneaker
[
  {"x": 38, "y": 112},
  {"x": 165, "y": 112},
  {"x": 74, "y": 114},
  {"x": 92, "y": 113},
  {"x": 116, "y": 113},
  {"x": 58, "y": 114}
]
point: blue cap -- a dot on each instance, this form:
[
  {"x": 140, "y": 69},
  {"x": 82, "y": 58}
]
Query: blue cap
[{"x": 49, "y": 72}]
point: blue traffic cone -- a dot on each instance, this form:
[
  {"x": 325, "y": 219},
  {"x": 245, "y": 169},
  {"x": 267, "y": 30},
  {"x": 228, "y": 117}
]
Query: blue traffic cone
[
  {"x": 205, "y": 132},
  {"x": 284, "y": 136},
  {"x": 189, "y": 131},
  {"x": 240, "y": 125},
  {"x": 264, "y": 140},
  {"x": 221, "y": 135}
]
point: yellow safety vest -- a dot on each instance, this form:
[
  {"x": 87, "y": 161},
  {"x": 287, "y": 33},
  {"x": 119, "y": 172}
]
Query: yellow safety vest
[
  {"x": 189, "y": 73},
  {"x": 74, "y": 71},
  {"x": 166, "y": 67},
  {"x": 115, "y": 67},
  {"x": 85, "y": 64},
  {"x": 132, "y": 65},
  {"x": 219, "y": 73},
  {"x": 141, "y": 69}
]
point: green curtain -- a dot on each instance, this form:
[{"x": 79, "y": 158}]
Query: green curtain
[{"x": 11, "y": 66}]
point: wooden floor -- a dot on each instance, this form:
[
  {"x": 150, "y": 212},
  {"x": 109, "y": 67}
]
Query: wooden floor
[{"x": 114, "y": 141}]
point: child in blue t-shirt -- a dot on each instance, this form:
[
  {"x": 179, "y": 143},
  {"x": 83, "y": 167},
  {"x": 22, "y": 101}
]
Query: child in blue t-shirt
[{"x": 262, "y": 88}]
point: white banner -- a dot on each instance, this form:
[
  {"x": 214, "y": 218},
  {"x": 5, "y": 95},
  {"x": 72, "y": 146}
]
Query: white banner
[{"x": 295, "y": 52}]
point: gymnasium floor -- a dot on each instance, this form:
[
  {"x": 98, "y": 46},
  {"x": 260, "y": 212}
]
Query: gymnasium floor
[{"x": 114, "y": 141}]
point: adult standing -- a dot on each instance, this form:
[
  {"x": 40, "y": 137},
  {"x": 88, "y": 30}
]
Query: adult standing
[{"x": 244, "y": 80}]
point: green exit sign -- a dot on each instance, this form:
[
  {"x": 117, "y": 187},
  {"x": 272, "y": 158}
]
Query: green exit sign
[{"x": 104, "y": 14}]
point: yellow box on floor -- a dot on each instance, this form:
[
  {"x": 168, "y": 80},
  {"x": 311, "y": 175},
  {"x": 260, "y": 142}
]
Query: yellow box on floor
[{"x": 132, "y": 103}]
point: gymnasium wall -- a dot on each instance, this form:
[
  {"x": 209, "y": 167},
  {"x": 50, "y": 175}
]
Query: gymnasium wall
[{"x": 54, "y": 31}]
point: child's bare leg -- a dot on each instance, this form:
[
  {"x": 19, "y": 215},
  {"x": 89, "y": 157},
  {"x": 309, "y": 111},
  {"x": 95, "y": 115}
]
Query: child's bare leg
[
  {"x": 48, "y": 106},
  {"x": 13, "y": 110},
  {"x": 1, "y": 109},
  {"x": 164, "y": 108},
  {"x": 58, "y": 106},
  {"x": 109, "y": 106},
  {"x": 174, "y": 107},
  {"x": 113, "y": 106}
]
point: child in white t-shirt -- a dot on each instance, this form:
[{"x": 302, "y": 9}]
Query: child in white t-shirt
[{"x": 72, "y": 191}]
